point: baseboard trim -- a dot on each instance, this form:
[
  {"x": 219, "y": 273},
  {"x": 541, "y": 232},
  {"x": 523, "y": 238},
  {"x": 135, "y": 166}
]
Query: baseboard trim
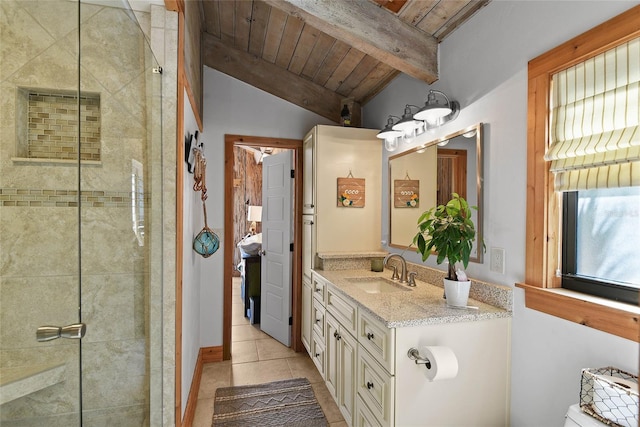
[{"x": 205, "y": 355}]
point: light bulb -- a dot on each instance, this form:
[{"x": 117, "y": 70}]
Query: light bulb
[{"x": 391, "y": 144}]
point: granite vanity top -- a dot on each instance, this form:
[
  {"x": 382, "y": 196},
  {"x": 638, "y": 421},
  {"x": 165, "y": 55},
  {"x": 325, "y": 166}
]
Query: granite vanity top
[{"x": 420, "y": 305}]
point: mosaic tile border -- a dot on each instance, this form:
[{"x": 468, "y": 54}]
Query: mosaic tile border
[{"x": 23, "y": 197}]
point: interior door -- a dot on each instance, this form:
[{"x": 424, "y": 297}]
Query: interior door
[{"x": 277, "y": 237}]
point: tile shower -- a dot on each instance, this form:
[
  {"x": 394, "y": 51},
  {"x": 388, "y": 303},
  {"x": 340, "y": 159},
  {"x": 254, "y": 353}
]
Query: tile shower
[{"x": 80, "y": 192}]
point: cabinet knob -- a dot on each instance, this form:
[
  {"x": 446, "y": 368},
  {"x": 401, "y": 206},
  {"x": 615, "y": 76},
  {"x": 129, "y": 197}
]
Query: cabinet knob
[
  {"x": 336, "y": 335},
  {"x": 369, "y": 336},
  {"x": 369, "y": 385},
  {"x": 317, "y": 355},
  {"x": 318, "y": 320}
]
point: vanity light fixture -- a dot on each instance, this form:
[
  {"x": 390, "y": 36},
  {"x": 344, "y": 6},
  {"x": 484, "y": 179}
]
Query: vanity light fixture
[
  {"x": 435, "y": 113},
  {"x": 443, "y": 143}
]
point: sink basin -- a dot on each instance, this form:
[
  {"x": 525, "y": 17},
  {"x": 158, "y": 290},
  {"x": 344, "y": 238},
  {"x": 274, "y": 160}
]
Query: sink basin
[{"x": 377, "y": 285}]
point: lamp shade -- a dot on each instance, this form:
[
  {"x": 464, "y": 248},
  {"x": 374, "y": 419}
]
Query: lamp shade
[
  {"x": 407, "y": 123},
  {"x": 433, "y": 110},
  {"x": 254, "y": 213},
  {"x": 388, "y": 132}
]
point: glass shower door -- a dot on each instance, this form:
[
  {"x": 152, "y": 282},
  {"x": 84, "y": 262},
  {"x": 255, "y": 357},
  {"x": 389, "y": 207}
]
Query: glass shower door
[{"x": 80, "y": 195}]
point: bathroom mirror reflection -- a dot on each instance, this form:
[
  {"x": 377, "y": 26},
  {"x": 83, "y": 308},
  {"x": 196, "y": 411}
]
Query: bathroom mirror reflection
[{"x": 426, "y": 175}]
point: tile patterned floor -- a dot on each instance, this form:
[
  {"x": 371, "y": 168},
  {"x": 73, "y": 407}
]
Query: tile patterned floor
[{"x": 257, "y": 358}]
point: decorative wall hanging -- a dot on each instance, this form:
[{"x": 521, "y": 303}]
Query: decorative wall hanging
[
  {"x": 351, "y": 192},
  {"x": 206, "y": 243},
  {"x": 406, "y": 193}
]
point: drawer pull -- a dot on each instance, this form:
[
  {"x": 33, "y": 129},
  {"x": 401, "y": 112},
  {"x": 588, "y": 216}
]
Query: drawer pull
[
  {"x": 336, "y": 335},
  {"x": 369, "y": 385},
  {"x": 316, "y": 290},
  {"x": 317, "y": 354},
  {"x": 369, "y": 336},
  {"x": 318, "y": 320}
]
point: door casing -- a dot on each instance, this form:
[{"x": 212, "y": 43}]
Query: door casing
[{"x": 230, "y": 141}]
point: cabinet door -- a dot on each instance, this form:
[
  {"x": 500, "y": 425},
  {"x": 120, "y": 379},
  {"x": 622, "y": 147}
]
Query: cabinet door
[
  {"x": 332, "y": 356},
  {"x": 307, "y": 313},
  {"x": 308, "y": 168},
  {"x": 308, "y": 245},
  {"x": 347, "y": 351}
]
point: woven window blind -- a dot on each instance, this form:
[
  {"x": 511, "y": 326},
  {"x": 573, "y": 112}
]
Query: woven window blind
[{"x": 595, "y": 121}]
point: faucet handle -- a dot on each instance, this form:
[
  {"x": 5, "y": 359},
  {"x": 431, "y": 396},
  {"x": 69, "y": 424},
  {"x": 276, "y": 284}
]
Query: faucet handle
[
  {"x": 395, "y": 276},
  {"x": 412, "y": 278}
]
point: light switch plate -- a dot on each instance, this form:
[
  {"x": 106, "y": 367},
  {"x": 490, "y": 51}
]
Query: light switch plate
[{"x": 497, "y": 260}]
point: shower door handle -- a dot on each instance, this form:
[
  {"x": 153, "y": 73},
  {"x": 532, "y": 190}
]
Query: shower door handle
[{"x": 48, "y": 333}]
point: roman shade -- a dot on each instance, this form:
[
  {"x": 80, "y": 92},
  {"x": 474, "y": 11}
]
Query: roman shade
[{"x": 595, "y": 121}]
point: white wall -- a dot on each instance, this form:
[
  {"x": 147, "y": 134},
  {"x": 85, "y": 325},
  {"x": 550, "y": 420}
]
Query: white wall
[
  {"x": 233, "y": 107},
  {"x": 483, "y": 65},
  {"x": 191, "y": 266}
]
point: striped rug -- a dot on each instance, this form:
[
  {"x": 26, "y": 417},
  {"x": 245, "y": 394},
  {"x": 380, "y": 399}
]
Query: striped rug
[{"x": 289, "y": 403}]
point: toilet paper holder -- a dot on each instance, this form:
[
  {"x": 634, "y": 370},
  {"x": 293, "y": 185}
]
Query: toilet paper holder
[{"x": 414, "y": 355}]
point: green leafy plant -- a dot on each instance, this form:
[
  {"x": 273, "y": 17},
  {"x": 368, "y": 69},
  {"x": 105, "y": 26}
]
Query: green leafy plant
[{"x": 449, "y": 231}]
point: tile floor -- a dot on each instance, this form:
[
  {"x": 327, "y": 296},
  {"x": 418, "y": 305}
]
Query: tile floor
[{"x": 257, "y": 358}]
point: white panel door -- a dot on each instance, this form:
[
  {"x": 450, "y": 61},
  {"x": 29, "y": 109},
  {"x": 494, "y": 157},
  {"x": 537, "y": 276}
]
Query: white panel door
[{"x": 277, "y": 215}]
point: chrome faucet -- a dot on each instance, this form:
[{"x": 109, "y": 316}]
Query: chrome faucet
[{"x": 403, "y": 264}]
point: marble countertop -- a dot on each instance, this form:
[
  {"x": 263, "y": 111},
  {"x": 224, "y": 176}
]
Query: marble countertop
[{"x": 420, "y": 305}]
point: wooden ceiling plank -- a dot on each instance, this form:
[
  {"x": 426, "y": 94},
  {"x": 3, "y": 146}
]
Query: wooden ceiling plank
[
  {"x": 440, "y": 15},
  {"x": 318, "y": 55},
  {"x": 271, "y": 78},
  {"x": 392, "y": 5},
  {"x": 354, "y": 79},
  {"x": 415, "y": 11},
  {"x": 346, "y": 66},
  {"x": 292, "y": 30},
  {"x": 227, "y": 12},
  {"x": 211, "y": 17},
  {"x": 304, "y": 48},
  {"x": 372, "y": 30},
  {"x": 275, "y": 29},
  {"x": 374, "y": 82},
  {"x": 337, "y": 52},
  {"x": 459, "y": 18},
  {"x": 260, "y": 19},
  {"x": 243, "y": 24}
]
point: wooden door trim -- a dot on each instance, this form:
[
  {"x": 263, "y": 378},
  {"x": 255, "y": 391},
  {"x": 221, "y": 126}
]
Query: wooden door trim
[{"x": 230, "y": 141}]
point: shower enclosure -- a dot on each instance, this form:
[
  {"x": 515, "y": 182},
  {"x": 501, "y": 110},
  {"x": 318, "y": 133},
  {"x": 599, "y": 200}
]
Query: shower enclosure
[{"x": 80, "y": 216}]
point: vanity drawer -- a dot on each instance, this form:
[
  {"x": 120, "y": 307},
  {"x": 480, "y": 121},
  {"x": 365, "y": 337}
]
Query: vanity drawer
[
  {"x": 318, "y": 353},
  {"x": 363, "y": 416},
  {"x": 377, "y": 339},
  {"x": 317, "y": 318},
  {"x": 319, "y": 287},
  {"x": 344, "y": 310},
  {"x": 376, "y": 388}
]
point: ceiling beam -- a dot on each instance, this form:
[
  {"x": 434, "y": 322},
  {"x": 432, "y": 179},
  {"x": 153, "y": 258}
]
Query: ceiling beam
[
  {"x": 372, "y": 30},
  {"x": 270, "y": 78}
]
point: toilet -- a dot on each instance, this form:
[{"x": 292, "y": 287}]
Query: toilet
[{"x": 576, "y": 418}]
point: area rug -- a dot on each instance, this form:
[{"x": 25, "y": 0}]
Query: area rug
[{"x": 290, "y": 403}]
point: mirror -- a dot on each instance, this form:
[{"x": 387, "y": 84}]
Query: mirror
[{"x": 425, "y": 176}]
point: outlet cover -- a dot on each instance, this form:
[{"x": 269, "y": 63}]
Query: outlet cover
[{"x": 497, "y": 260}]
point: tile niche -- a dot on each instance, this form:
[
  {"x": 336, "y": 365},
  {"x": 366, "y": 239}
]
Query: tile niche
[{"x": 47, "y": 125}]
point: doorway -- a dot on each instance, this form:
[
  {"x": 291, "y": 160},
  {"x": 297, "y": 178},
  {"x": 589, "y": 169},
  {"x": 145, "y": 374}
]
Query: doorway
[{"x": 232, "y": 141}]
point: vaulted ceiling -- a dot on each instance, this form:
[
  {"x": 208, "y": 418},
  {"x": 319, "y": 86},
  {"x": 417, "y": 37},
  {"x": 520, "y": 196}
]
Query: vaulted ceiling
[{"x": 321, "y": 54}]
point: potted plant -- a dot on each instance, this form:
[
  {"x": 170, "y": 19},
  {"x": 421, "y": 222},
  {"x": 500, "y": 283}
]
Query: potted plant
[{"x": 449, "y": 231}]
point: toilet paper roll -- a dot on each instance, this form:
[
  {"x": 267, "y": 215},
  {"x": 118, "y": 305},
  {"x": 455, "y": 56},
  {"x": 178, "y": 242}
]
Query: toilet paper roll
[{"x": 444, "y": 363}]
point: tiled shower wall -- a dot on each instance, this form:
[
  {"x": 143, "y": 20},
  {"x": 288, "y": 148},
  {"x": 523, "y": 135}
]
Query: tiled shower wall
[{"x": 39, "y": 221}]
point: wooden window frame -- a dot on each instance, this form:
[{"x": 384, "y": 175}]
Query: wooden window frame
[{"x": 543, "y": 291}]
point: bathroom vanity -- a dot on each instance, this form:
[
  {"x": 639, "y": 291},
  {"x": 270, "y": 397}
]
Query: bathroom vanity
[{"x": 362, "y": 327}]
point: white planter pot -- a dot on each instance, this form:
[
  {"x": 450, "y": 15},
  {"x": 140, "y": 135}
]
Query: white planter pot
[{"x": 457, "y": 292}]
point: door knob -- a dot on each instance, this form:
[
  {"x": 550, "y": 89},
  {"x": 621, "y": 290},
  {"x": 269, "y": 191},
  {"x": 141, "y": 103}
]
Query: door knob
[{"x": 48, "y": 333}]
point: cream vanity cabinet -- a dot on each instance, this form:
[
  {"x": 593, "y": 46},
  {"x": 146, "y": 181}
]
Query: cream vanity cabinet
[{"x": 367, "y": 371}]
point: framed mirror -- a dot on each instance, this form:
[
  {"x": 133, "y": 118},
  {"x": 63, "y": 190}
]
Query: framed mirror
[{"x": 426, "y": 175}]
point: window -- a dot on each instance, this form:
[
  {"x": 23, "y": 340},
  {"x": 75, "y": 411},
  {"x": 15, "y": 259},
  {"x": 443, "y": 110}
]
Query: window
[
  {"x": 546, "y": 176},
  {"x": 594, "y": 155},
  {"x": 601, "y": 231}
]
